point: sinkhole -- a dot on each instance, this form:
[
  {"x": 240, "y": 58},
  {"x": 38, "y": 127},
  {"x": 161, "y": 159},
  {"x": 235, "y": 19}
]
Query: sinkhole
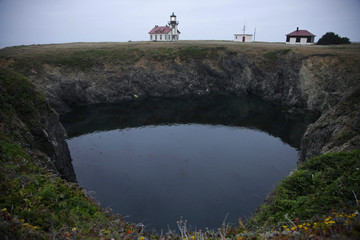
[{"x": 200, "y": 158}]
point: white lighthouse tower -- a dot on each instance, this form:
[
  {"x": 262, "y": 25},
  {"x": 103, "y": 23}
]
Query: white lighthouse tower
[
  {"x": 174, "y": 33},
  {"x": 165, "y": 33}
]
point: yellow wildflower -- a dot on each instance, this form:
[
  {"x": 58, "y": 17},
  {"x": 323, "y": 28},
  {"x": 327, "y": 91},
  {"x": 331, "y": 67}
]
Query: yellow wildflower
[
  {"x": 285, "y": 226},
  {"x": 293, "y": 228},
  {"x": 141, "y": 238},
  {"x": 329, "y": 222},
  {"x": 192, "y": 237},
  {"x": 3, "y": 210},
  {"x": 73, "y": 229},
  {"x": 21, "y": 220}
]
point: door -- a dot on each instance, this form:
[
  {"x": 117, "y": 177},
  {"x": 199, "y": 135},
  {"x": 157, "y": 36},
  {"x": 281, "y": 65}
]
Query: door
[{"x": 243, "y": 40}]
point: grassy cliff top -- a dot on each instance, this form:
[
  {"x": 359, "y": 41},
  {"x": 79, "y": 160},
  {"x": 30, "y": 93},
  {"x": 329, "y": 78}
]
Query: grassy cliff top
[
  {"x": 84, "y": 56},
  {"x": 23, "y": 50}
]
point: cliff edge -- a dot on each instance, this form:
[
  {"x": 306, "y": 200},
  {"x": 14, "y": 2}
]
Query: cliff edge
[{"x": 27, "y": 119}]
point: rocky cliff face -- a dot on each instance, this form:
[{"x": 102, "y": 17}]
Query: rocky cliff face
[
  {"x": 338, "y": 129},
  {"x": 54, "y": 145},
  {"x": 316, "y": 80},
  {"x": 28, "y": 120},
  {"x": 316, "y": 83}
]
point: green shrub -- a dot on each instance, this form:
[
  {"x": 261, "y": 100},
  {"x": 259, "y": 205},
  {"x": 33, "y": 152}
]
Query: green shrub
[
  {"x": 17, "y": 94},
  {"x": 332, "y": 38}
]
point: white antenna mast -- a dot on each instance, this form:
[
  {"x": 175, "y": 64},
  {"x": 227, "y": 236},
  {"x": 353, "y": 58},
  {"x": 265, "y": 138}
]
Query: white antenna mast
[
  {"x": 244, "y": 28},
  {"x": 254, "y": 33}
]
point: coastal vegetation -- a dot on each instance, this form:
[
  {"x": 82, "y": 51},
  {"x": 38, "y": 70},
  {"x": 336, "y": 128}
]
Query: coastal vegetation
[
  {"x": 332, "y": 38},
  {"x": 38, "y": 204},
  {"x": 320, "y": 200}
]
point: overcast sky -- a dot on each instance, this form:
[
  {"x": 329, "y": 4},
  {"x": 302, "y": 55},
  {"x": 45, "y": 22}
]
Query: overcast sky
[{"x": 59, "y": 21}]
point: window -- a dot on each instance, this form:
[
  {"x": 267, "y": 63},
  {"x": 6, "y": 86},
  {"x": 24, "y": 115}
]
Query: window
[
  {"x": 297, "y": 39},
  {"x": 150, "y": 36},
  {"x": 160, "y": 37}
]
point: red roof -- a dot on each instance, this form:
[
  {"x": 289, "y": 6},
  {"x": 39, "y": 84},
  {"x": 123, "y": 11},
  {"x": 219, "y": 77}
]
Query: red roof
[
  {"x": 158, "y": 30},
  {"x": 300, "y": 33}
]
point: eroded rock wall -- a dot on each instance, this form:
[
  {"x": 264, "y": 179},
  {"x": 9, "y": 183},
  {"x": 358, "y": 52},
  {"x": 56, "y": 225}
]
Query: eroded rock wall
[
  {"x": 315, "y": 82},
  {"x": 338, "y": 129}
]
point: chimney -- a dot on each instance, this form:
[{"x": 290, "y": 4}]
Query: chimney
[{"x": 297, "y": 29}]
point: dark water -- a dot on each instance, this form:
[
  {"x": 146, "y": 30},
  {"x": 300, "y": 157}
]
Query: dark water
[{"x": 200, "y": 158}]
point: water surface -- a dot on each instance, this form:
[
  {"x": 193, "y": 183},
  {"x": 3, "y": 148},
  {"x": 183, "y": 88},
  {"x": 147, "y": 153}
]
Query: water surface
[{"x": 156, "y": 160}]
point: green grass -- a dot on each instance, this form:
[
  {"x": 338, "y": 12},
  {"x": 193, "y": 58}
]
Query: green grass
[
  {"x": 35, "y": 203},
  {"x": 274, "y": 55},
  {"x": 78, "y": 59},
  {"x": 319, "y": 185},
  {"x": 85, "y": 59}
]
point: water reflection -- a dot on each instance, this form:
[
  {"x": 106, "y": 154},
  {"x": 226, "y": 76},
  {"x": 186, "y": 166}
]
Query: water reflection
[{"x": 249, "y": 112}]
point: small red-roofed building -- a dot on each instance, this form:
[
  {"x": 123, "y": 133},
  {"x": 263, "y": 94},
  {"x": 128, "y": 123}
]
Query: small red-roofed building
[
  {"x": 166, "y": 33},
  {"x": 301, "y": 37}
]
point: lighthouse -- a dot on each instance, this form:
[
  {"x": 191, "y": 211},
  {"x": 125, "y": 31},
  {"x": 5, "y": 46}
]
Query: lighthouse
[
  {"x": 174, "y": 33},
  {"x": 169, "y": 32}
]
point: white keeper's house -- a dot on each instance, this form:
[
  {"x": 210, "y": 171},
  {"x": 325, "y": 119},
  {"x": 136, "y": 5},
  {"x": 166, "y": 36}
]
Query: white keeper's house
[
  {"x": 301, "y": 37},
  {"x": 169, "y": 32}
]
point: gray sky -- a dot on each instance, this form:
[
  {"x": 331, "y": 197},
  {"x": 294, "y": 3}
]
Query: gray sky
[{"x": 59, "y": 21}]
